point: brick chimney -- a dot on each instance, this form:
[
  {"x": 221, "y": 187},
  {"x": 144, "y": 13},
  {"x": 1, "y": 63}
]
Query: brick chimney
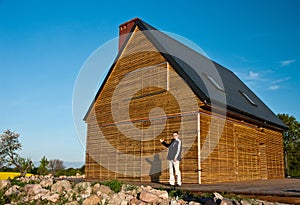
[{"x": 124, "y": 30}]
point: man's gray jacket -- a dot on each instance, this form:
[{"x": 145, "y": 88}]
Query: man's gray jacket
[{"x": 174, "y": 149}]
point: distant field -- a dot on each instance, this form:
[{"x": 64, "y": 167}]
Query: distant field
[{"x": 6, "y": 175}]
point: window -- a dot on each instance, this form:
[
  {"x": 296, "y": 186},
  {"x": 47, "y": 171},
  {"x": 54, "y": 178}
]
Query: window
[
  {"x": 212, "y": 81},
  {"x": 248, "y": 98}
]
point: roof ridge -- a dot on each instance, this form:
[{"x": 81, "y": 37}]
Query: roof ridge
[{"x": 190, "y": 65}]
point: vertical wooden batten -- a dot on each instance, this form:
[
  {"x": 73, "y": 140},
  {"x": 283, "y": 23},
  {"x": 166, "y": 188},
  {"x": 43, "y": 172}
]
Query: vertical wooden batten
[
  {"x": 199, "y": 147},
  {"x": 168, "y": 76}
]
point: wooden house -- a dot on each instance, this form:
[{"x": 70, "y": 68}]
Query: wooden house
[{"x": 158, "y": 85}]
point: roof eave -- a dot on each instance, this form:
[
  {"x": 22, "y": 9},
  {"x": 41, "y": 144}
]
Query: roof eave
[{"x": 239, "y": 114}]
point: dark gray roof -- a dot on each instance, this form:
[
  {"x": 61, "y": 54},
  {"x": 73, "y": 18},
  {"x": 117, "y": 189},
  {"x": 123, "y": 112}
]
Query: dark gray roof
[
  {"x": 188, "y": 63},
  {"x": 196, "y": 69}
]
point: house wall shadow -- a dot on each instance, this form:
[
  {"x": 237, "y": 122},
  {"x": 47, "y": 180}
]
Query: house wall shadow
[{"x": 155, "y": 169}]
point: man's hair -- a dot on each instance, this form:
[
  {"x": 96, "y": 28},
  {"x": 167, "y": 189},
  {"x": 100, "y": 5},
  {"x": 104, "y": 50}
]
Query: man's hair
[{"x": 175, "y": 133}]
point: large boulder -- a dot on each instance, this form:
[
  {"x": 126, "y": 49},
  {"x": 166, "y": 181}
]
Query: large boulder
[
  {"x": 134, "y": 201},
  {"x": 148, "y": 197},
  {"x": 60, "y": 186},
  {"x": 226, "y": 201},
  {"x": 46, "y": 183},
  {"x": 53, "y": 197},
  {"x": 12, "y": 190},
  {"x": 245, "y": 202},
  {"x": 4, "y": 183},
  {"x": 33, "y": 189},
  {"x": 91, "y": 200},
  {"x": 102, "y": 189},
  {"x": 160, "y": 194},
  {"x": 118, "y": 198},
  {"x": 83, "y": 188}
]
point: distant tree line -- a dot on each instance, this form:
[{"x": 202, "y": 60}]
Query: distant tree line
[
  {"x": 291, "y": 145},
  {"x": 10, "y": 160},
  {"x": 10, "y": 145}
]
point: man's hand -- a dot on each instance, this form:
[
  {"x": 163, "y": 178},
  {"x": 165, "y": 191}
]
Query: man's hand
[
  {"x": 174, "y": 160},
  {"x": 161, "y": 140}
]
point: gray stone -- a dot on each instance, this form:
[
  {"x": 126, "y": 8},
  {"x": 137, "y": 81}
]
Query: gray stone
[
  {"x": 91, "y": 200},
  {"x": 164, "y": 202},
  {"x": 33, "y": 189},
  {"x": 84, "y": 188},
  {"x": 72, "y": 203},
  {"x": 134, "y": 201},
  {"x": 194, "y": 203},
  {"x": 71, "y": 195},
  {"x": 96, "y": 187},
  {"x": 159, "y": 193},
  {"x": 124, "y": 202},
  {"x": 60, "y": 186},
  {"x": 45, "y": 183},
  {"x": 148, "y": 197},
  {"x": 83, "y": 185},
  {"x": 162, "y": 194},
  {"x": 267, "y": 203},
  {"x": 105, "y": 189},
  {"x": 218, "y": 196},
  {"x": 245, "y": 202},
  {"x": 4, "y": 183},
  {"x": 104, "y": 201},
  {"x": 53, "y": 197},
  {"x": 226, "y": 201},
  {"x": 102, "y": 188},
  {"x": 12, "y": 190},
  {"x": 175, "y": 202},
  {"x": 101, "y": 194},
  {"x": 116, "y": 199},
  {"x": 236, "y": 202}
]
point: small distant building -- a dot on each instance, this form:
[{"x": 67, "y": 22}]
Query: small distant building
[{"x": 158, "y": 85}]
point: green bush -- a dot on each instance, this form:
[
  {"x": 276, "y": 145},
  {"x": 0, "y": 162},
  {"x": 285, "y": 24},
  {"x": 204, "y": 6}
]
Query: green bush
[
  {"x": 2, "y": 197},
  {"x": 295, "y": 173},
  {"x": 207, "y": 195},
  {"x": 114, "y": 185},
  {"x": 16, "y": 181},
  {"x": 68, "y": 172},
  {"x": 176, "y": 193}
]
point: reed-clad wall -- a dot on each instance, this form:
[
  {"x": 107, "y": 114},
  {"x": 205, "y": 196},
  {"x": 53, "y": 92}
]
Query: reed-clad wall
[
  {"x": 244, "y": 152},
  {"x": 115, "y": 149},
  {"x": 148, "y": 65}
]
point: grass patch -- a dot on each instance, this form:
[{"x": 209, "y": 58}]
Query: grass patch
[
  {"x": 11, "y": 175},
  {"x": 114, "y": 185}
]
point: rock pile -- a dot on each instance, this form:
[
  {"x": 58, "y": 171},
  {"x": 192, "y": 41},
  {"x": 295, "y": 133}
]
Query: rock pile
[{"x": 47, "y": 190}]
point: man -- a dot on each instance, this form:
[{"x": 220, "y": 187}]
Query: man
[{"x": 174, "y": 157}]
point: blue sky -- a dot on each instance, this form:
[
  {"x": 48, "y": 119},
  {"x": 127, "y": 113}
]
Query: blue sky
[{"x": 44, "y": 44}]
